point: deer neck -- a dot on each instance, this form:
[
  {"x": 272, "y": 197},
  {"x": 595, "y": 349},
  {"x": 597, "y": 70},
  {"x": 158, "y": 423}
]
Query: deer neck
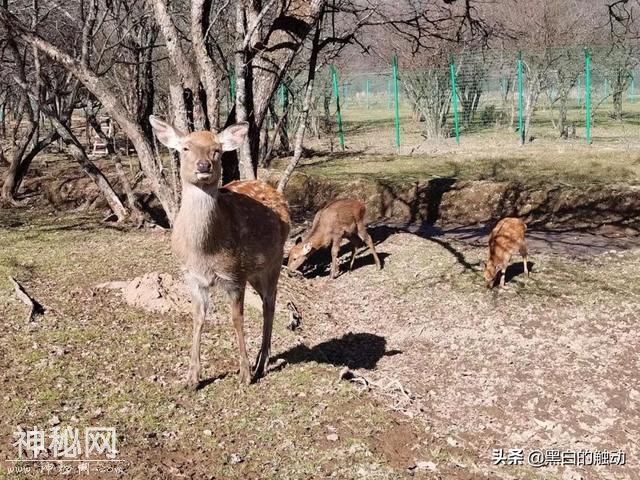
[{"x": 194, "y": 228}]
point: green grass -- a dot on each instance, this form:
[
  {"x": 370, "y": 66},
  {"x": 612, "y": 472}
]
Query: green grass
[{"x": 532, "y": 167}]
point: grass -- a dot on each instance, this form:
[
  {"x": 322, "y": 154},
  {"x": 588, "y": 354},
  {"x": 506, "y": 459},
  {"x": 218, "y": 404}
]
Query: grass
[
  {"x": 590, "y": 168},
  {"x": 483, "y": 153},
  {"x": 94, "y": 361}
]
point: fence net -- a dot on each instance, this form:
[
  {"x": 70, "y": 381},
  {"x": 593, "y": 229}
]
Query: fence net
[{"x": 558, "y": 94}]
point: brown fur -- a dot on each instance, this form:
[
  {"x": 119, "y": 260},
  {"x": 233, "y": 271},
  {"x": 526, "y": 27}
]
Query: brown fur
[
  {"x": 226, "y": 236},
  {"x": 340, "y": 219},
  {"x": 506, "y": 238}
]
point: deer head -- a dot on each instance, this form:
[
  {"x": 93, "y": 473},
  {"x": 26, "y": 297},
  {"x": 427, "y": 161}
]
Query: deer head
[
  {"x": 200, "y": 152},
  {"x": 299, "y": 254},
  {"x": 489, "y": 273}
]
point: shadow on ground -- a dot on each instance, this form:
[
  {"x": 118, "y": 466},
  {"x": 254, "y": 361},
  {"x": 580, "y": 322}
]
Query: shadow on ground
[{"x": 352, "y": 350}]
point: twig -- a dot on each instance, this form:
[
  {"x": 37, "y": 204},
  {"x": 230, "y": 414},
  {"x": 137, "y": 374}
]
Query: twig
[
  {"x": 35, "y": 307},
  {"x": 295, "y": 319}
]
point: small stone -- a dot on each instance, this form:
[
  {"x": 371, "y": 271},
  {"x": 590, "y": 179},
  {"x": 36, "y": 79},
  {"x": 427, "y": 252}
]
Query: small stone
[
  {"x": 207, "y": 432},
  {"x": 333, "y": 437},
  {"x": 55, "y": 420},
  {"x": 421, "y": 465},
  {"x": 235, "y": 459},
  {"x": 452, "y": 442}
]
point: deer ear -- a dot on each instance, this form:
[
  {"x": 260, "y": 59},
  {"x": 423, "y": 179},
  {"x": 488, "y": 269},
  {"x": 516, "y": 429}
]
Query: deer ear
[
  {"x": 298, "y": 240},
  {"x": 231, "y": 137},
  {"x": 306, "y": 248},
  {"x": 168, "y": 136}
]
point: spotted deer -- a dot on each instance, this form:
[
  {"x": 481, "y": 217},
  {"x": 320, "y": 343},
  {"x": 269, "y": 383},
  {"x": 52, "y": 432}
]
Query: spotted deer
[
  {"x": 225, "y": 236},
  {"x": 506, "y": 238},
  {"x": 340, "y": 219}
]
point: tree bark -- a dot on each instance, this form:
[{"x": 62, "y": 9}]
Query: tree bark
[
  {"x": 304, "y": 115},
  {"x": 188, "y": 80},
  {"x": 209, "y": 77},
  {"x": 243, "y": 96}
]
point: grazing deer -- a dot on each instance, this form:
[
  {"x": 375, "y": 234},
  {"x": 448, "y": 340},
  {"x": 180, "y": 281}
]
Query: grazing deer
[
  {"x": 506, "y": 238},
  {"x": 340, "y": 219},
  {"x": 225, "y": 236}
]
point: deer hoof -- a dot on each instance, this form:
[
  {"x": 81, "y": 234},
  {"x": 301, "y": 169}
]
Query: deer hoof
[
  {"x": 193, "y": 378},
  {"x": 192, "y": 384},
  {"x": 260, "y": 371},
  {"x": 245, "y": 376}
]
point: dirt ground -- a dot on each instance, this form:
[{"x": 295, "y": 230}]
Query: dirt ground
[{"x": 445, "y": 370}]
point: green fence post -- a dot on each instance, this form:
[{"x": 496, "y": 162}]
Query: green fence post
[
  {"x": 396, "y": 98},
  {"x": 454, "y": 99},
  {"x": 336, "y": 92},
  {"x": 587, "y": 92},
  {"x": 520, "y": 99}
]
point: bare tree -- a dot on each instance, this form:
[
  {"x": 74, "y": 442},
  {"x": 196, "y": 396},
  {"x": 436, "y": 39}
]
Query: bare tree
[{"x": 93, "y": 75}]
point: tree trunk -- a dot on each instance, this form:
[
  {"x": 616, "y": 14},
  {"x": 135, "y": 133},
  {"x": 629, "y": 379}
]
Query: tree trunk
[
  {"x": 304, "y": 114},
  {"x": 20, "y": 160},
  {"x": 562, "y": 115},
  {"x": 188, "y": 81},
  {"x": 243, "y": 96},
  {"x": 80, "y": 155}
]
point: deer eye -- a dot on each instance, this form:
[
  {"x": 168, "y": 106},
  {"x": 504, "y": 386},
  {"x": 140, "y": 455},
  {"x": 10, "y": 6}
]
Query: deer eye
[{"x": 185, "y": 149}]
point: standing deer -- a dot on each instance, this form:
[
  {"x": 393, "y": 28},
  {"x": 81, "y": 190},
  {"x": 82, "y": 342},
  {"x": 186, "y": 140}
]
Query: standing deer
[
  {"x": 340, "y": 219},
  {"x": 225, "y": 236},
  {"x": 506, "y": 238}
]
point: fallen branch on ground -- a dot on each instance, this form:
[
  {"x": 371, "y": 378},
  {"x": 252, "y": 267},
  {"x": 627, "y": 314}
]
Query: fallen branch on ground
[
  {"x": 35, "y": 307},
  {"x": 295, "y": 319},
  {"x": 404, "y": 401}
]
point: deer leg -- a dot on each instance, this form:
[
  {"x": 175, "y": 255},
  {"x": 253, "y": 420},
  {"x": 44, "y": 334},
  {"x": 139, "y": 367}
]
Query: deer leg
[
  {"x": 362, "y": 231},
  {"x": 525, "y": 257},
  {"x": 503, "y": 274},
  {"x": 200, "y": 294},
  {"x": 353, "y": 256},
  {"x": 237, "y": 314},
  {"x": 355, "y": 244},
  {"x": 268, "y": 310},
  {"x": 335, "y": 250}
]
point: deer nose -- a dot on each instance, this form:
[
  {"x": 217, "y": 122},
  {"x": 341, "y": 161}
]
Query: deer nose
[{"x": 203, "y": 166}]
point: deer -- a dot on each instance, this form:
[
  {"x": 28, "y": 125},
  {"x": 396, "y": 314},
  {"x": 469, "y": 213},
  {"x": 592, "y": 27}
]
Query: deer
[
  {"x": 506, "y": 238},
  {"x": 340, "y": 219},
  {"x": 225, "y": 237}
]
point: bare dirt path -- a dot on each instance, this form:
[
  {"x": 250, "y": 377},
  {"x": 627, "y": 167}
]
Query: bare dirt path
[{"x": 550, "y": 363}]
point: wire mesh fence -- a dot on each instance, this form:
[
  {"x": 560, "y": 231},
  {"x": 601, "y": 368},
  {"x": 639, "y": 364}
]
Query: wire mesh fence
[{"x": 558, "y": 94}]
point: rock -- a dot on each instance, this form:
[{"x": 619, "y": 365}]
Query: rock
[
  {"x": 421, "y": 465},
  {"x": 333, "y": 437}
]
